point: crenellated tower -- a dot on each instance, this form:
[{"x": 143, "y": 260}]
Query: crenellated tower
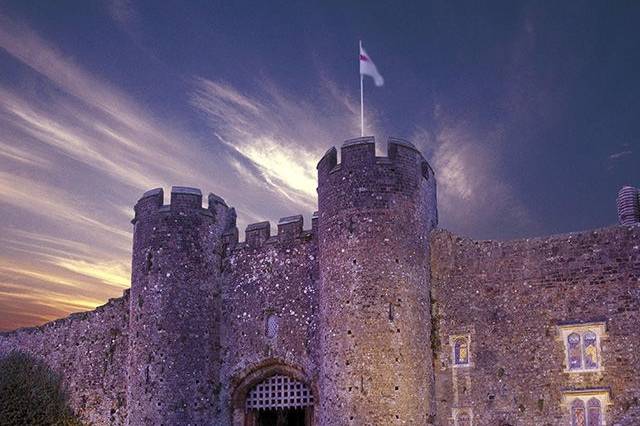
[
  {"x": 375, "y": 217},
  {"x": 174, "y": 343}
]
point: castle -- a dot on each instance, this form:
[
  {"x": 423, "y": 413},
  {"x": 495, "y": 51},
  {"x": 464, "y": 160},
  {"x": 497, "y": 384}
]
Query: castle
[{"x": 373, "y": 316}]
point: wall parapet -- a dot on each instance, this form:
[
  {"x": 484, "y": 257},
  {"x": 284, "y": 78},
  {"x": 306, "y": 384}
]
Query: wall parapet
[
  {"x": 183, "y": 200},
  {"x": 65, "y": 321},
  {"x": 362, "y": 151},
  {"x": 290, "y": 230}
]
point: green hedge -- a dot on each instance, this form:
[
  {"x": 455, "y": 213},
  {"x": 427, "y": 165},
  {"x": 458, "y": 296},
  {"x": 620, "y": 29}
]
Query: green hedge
[{"x": 32, "y": 394}]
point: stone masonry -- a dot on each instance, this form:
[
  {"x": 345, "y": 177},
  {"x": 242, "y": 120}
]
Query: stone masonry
[{"x": 374, "y": 313}]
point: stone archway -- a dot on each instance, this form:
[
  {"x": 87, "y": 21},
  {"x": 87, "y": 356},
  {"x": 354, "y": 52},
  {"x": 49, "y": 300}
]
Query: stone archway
[{"x": 273, "y": 394}]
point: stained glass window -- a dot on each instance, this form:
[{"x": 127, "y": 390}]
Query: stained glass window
[
  {"x": 578, "y": 415},
  {"x": 461, "y": 351},
  {"x": 594, "y": 412},
  {"x": 575, "y": 351},
  {"x": 463, "y": 419},
  {"x": 586, "y": 408},
  {"x": 582, "y": 346},
  {"x": 590, "y": 350}
]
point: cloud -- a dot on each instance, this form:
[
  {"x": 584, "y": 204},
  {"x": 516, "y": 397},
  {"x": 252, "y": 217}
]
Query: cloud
[
  {"x": 78, "y": 151},
  {"x": 43, "y": 276},
  {"x": 22, "y": 305},
  {"x": 110, "y": 273},
  {"x": 106, "y": 266},
  {"x": 472, "y": 194},
  {"x": 275, "y": 137},
  {"x": 13, "y": 153},
  {"x": 617, "y": 155},
  {"x": 92, "y": 121},
  {"x": 75, "y": 153},
  {"x": 41, "y": 199},
  {"x": 122, "y": 11}
]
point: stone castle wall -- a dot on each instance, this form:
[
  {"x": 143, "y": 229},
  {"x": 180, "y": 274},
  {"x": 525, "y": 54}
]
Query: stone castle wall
[
  {"x": 89, "y": 350},
  {"x": 375, "y": 214},
  {"x": 361, "y": 308},
  {"x": 510, "y": 297},
  {"x": 174, "y": 345},
  {"x": 268, "y": 277}
]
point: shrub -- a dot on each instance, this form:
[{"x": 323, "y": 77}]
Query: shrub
[{"x": 32, "y": 394}]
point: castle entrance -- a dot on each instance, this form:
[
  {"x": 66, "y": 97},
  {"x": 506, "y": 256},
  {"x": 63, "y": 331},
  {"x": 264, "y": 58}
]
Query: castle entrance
[
  {"x": 288, "y": 417},
  {"x": 279, "y": 401}
]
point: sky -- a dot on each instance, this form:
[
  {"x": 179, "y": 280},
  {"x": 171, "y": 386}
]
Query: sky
[{"x": 527, "y": 111}]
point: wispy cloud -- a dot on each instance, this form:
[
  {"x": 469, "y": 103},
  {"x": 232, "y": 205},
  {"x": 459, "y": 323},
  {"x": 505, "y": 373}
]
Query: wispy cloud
[
  {"x": 41, "y": 199},
  {"x": 76, "y": 151},
  {"x": 106, "y": 266},
  {"x": 472, "y": 193},
  {"x": 92, "y": 121},
  {"x": 75, "y": 155},
  {"x": 279, "y": 135},
  {"x": 617, "y": 155},
  {"x": 122, "y": 11},
  {"x": 79, "y": 151},
  {"x": 12, "y": 153}
]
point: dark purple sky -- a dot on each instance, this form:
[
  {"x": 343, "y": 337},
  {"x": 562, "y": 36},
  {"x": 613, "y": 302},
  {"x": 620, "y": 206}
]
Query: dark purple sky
[{"x": 527, "y": 111}]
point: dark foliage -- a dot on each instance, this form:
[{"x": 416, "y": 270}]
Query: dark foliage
[{"x": 32, "y": 394}]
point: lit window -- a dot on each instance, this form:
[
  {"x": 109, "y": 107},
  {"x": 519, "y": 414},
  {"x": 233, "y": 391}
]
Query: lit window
[
  {"x": 586, "y": 407},
  {"x": 582, "y": 346},
  {"x": 575, "y": 351},
  {"x": 460, "y": 350},
  {"x": 590, "y": 349}
]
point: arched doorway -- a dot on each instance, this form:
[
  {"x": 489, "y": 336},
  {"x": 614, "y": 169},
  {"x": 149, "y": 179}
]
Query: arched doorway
[
  {"x": 273, "y": 393},
  {"x": 279, "y": 401}
]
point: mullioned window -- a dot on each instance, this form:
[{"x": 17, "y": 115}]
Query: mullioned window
[
  {"x": 586, "y": 407},
  {"x": 582, "y": 345}
]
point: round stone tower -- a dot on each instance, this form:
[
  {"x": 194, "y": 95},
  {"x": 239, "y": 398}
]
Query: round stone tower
[
  {"x": 174, "y": 344},
  {"x": 375, "y": 216}
]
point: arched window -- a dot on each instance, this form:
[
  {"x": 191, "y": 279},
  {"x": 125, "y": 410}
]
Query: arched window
[
  {"x": 578, "y": 416},
  {"x": 463, "y": 419},
  {"x": 461, "y": 351},
  {"x": 594, "y": 412},
  {"x": 575, "y": 351},
  {"x": 586, "y": 407},
  {"x": 272, "y": 326},
  {"x": 590, "y": 350}
]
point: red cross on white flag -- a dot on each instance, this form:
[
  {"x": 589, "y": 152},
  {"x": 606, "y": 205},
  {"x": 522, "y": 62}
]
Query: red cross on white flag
[{"x": 367, "y": 67}]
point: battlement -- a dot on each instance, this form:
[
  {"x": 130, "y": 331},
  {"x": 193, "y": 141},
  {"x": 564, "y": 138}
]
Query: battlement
[
  {"x": 290, "y": 229},
  {"x": 365, "y": 181},
  {"x": 373, "y": 313},
  {"x": 183, "y": 200},
  {"x": 361, "y": 152}
]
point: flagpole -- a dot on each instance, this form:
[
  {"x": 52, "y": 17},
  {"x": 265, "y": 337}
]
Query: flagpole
[{"x": 361, "y": 97}]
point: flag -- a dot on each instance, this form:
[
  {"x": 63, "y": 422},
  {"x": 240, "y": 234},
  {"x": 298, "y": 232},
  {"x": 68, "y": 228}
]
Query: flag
[{"x": 367, "y": 67}]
